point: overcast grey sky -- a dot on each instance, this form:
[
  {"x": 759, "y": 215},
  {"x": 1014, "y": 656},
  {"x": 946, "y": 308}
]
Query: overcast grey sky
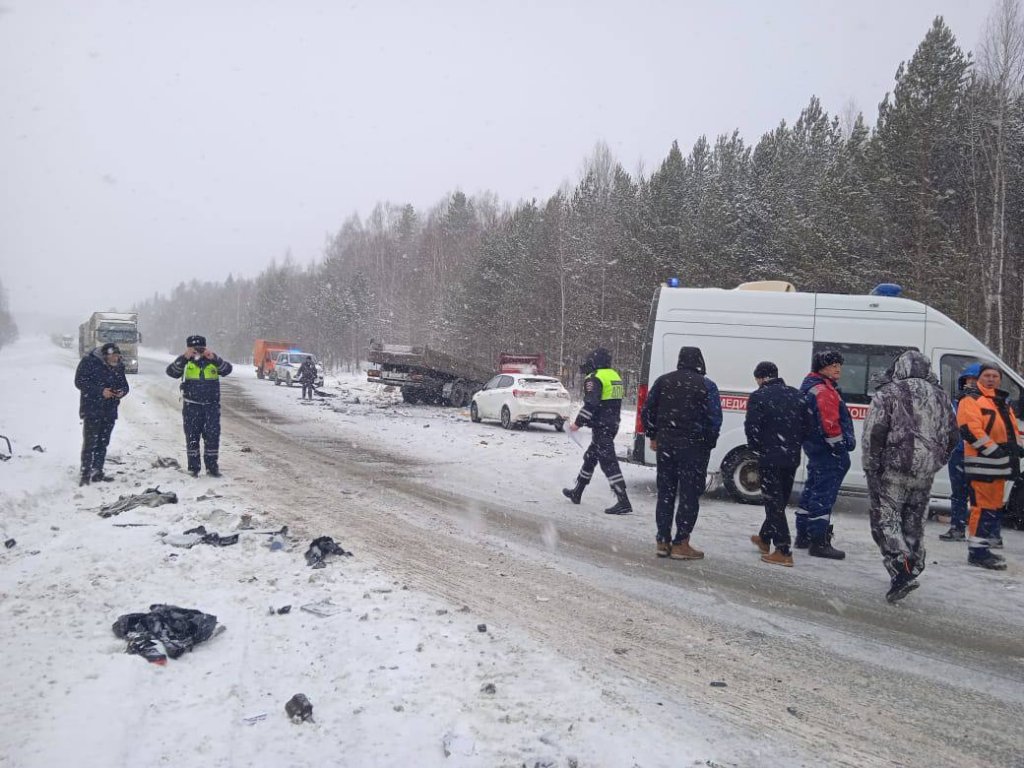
[{"x": 146, "y": 143}]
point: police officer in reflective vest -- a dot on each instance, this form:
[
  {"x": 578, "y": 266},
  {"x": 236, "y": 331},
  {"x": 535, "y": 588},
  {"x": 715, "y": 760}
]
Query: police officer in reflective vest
[
  {"x": 602, "y": 402},
  {"x": 200, "y": 371}
]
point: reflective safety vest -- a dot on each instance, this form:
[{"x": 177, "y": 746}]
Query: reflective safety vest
[
  {"x": 205, "y": 372},
  {"x": 611, "y": 384}
]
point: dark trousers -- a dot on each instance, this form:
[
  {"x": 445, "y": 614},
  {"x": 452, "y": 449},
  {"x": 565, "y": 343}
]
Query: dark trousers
[
  {"x": 776, "y": 487},
  {"x": 95, "y": 439},
  {"x": 898, "y": 507},
  {"x": 682, "y": 473},
  {"x": 307, "y": 391},
  {"x": 602, "y": 451},
  {"x": 201, "y": 421},
  {"x": 958, "y": 484}
]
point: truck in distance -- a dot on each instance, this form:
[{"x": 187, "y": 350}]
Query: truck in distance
[
  {"x": 121, "y": 328},
  {"x": 264, "y": 355}
]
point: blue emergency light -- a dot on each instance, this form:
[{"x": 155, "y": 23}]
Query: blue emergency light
[
  {"x": 294, "y": 351},
  {"x": 672, "y": 282},
  {"x": 887, "y": 289}
]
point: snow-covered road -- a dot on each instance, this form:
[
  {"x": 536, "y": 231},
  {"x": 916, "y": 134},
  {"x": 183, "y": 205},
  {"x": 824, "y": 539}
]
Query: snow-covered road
[{"x": 600, "y": 653}]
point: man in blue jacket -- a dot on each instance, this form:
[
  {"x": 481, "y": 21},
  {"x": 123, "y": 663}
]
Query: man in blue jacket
[
  {"x": 828, "y": 449},
  {"x": 776, "y": 425},
  {"x": 101, "y": 380},
  {"x": 683, "y": 418},
  {"x": 200, "y": 371},
  {"x": 957, "y": 480}
]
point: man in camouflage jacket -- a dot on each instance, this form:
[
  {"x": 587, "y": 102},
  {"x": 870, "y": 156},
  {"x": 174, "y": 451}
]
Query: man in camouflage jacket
[{"x": 909, "y": 434}]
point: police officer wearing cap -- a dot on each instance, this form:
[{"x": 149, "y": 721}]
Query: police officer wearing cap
[
  {"x": 101, "y": 380},
  {"x": 602, "y": 404},
  {"x": 200, "y": 371}
]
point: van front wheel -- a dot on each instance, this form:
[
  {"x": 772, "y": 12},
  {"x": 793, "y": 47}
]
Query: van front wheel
[{"x": 741, "y": 476}]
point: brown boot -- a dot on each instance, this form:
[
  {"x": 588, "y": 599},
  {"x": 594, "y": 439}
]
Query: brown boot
[
  {"x": 778, "y": 558},
  {"x": 663, "y": 549},
  {"x": 683, "y": 551},
  {"x": 761, "y": 544}
]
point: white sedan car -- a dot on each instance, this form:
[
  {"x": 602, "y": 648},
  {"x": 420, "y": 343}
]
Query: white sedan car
[{"x": 517, "y": 399}]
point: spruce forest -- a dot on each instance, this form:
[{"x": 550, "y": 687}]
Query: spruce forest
[{"x": 931, "y": 196}]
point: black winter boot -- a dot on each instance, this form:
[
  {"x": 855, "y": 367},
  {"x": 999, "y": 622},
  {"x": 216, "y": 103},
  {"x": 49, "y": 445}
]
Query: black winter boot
[
  {"x": 802, "y": 541},
  {"x": 622, "y": 506},
  {"x": 84, "y": 479},
  {"x": 823, "y": 548},
  {"x": 574, "y": 494}
]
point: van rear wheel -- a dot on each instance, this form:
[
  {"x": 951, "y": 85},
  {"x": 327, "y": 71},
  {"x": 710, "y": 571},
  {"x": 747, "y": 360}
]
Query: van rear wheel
[{"x": 742, "y": 477}]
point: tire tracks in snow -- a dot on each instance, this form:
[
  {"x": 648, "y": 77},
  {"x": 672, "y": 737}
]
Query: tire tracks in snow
[{"x": 615, "y": 613}]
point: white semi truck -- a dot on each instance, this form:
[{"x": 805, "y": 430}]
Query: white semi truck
[{"x": 121, "y": 328}]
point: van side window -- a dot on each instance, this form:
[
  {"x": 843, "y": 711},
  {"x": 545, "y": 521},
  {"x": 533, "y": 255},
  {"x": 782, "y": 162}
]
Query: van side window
[
  {"x": 950, "y": 367},
  {"x": 863, "y": 367}
]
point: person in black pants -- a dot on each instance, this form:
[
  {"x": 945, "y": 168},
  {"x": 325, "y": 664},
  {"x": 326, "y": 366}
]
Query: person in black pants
[
  {"x": 200, "y": 371},
  {"x": 682, "y": 417},
  {"x": 101, "y": 380},
  {"x": 307, "y": 377},
  {"x": 602, "y": 404},
  {"x": 777, "y": 422}
]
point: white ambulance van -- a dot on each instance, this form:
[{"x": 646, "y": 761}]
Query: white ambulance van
[{"x": 735, "y": 329}]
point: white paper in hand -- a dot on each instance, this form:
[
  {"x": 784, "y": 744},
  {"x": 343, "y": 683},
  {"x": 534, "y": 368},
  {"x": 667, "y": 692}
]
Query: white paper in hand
[{"x": 580, "y": 436}]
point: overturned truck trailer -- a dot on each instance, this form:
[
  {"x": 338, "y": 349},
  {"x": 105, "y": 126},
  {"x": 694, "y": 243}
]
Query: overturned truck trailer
[{"x": 426, "y": 375}]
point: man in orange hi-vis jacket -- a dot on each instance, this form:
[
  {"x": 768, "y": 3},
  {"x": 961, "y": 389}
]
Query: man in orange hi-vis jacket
[{"x": 992, "y": 452}]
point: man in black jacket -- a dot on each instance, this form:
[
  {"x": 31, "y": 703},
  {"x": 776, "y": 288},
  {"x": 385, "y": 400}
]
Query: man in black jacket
[
  {"x": 777, "y": 422},
  {"x": 682, "y": 417},
  {"x": 101, "y": 380},
  {"x": 200, "y": 371},
  {"x": 602, "y": 404}
]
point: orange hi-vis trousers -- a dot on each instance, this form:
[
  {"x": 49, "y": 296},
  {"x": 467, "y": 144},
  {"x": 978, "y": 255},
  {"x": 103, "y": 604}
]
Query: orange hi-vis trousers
[{"x": 986, "y": 505}]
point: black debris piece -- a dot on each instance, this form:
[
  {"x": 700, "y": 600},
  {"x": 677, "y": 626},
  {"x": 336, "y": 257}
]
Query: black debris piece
[
  {"x": 166, "y": 631},
  {"x": 481, "y": 627},
  {"x": 717, "y": 684},
  {"x": 245, "y": 449},
  {"x": 299, "y": 709},
  {"x": 320, "y": 549},
  {"x": 151, "y": 497},
  {"x": 38, "y": 449},
  {"x": 214, "y": 538},
  {"x": 135, "y": 525},
  {"x": 9, "y": 453},
  {"x": 284, "y": 609},
  {"x": 9, "y": 544},
  {"x": 165, "y": 462},
  {"x": 488, "y": 688}
]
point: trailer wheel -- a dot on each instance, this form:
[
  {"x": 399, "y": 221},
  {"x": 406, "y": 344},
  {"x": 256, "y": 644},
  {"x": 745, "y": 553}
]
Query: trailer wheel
[
  {"x": 259, "y": 373},
  {"x": 277, "y": 381},
  {"x": 741, "y": 476},
  {"x": 474, "y": 414},
  {"x": 506, "y": 417},
  {"x": 410, "y": 396},
  {"x": 560, "y": 425}
]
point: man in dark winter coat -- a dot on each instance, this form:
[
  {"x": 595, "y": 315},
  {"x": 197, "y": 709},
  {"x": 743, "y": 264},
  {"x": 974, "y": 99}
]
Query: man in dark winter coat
[
  {"x": 776, "y": 424},
  {"x": 602, "y": 403},
  {"x": 101, "y": 380},
  {"x": 683, "y": 418},
  {"x": 200, "y": 371},
  {"x": 307, "y": 377},
  {"x": 828, "y": 449},
  {"x": 957, "y": 479},
  {"x": 909, "y": 435}
]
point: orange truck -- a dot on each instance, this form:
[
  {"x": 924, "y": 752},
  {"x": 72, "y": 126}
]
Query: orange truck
[{"x": 264, "y": 353}]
